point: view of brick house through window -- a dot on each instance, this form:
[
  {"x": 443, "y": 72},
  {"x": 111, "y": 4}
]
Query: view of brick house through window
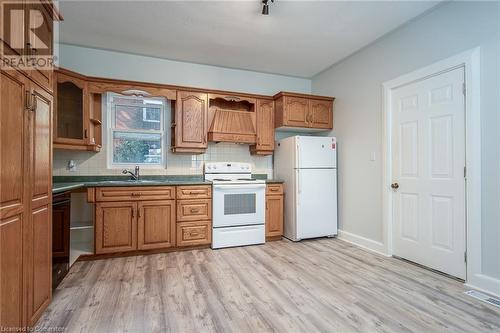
[{"x": 136, "y": 131}]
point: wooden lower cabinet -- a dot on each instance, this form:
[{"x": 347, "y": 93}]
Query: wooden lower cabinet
[
  {"x": 156, "y": 224},
  {"x": 194, "y": 233},
  {"x": 194, "y": 215},
  {"x": 131, "y": 225},
  {"x": 274, "y": 212},
  {"x": 115, "y": 227},
  {"x": 136, "y": 193},
  {"x": 194, "y": 192},
  {"x": 11, "y": 271},
  {"x": 40, "y": 263},
  {"x": 194, "y": 210}
]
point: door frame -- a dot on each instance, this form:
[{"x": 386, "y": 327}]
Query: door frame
[{"x": 470, "y": 61}]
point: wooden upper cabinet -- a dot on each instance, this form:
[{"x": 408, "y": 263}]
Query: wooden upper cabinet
[
  {"x": 265, "y": 128},
  {"x": 156, "y": 224},
  {"x": 321, "y": 115},
  {"x": 40, "y": 40},
  {"x": 189, "y": 123},
  {"x": 31, "y": 38},
  {"x": 303, "y": 111},
  {"x": 296, "y": 111},
  {"x": 115, "y": 227},
  {"x": 71, "y": 126},
  {"x": 15, "y": 32}
]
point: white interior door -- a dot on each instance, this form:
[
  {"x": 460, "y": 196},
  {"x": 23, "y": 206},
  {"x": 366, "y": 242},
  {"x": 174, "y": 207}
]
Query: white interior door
[{"x": 428, "y": 160}]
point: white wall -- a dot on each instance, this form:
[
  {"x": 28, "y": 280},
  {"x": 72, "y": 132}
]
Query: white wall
[
  {"x": 101, "y": 63},
  {"x": 109, "y": 64},
  {"x": 357, "y": 84}
]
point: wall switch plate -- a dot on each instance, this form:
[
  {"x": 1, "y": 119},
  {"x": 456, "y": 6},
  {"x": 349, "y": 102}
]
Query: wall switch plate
[{"x": 373, "y": 156}]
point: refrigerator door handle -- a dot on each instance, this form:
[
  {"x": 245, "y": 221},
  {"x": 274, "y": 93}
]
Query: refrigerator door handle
[
  {"x": 297, "y": 163},
  {"x": 299, "y": 184},
  {"x": 299, "y": 187}
]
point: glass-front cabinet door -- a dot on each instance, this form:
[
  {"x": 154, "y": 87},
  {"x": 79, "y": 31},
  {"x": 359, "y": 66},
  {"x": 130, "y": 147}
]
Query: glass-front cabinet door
[{"x": 70, "y": 123}]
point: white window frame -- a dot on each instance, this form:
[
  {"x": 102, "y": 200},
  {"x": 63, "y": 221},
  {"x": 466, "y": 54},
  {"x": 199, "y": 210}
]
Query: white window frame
[{"x": 110, "y": 129}]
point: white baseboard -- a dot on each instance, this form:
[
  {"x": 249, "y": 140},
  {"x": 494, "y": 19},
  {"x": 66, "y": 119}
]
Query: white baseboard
[
  {"x": 365, "y": 243},
  {"x": 484, "y": 283}
]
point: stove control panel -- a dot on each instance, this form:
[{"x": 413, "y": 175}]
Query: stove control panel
[{"x": 228, "y": 167}]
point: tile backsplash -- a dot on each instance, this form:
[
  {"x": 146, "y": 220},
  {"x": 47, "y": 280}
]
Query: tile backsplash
[{"x": 90, "y": 163}]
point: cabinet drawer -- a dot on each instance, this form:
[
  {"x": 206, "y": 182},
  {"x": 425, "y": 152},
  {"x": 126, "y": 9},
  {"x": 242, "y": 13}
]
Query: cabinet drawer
[
  {"x": 272, "y": 189},
  {"x": 194, "y": 210},
  {"x": 194, "y": 192},
  {"x": 194, "y": 233},
  {"x": 135, "y": 193}
]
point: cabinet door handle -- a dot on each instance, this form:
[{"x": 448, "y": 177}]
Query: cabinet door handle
[
  {"x": 28, "y": 101},
  {"x": 133, "y": 214},
  {"x": 33, "y": 102},
  {"x": 273, "y": 189},
  {"x": 85, "y": 134},
  {"x": 197, "y": 191},
  {"x": 139, "y": 213},
  {"x": 195, "y": 210},
  {"x": 28, "y": 48}
]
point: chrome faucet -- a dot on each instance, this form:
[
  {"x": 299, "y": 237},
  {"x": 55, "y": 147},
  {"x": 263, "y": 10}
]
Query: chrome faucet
[{"x": 135, "y": 174}]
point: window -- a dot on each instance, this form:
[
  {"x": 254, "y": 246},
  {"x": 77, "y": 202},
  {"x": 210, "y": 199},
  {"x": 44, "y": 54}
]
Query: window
[{"x": 136, "y": 131}]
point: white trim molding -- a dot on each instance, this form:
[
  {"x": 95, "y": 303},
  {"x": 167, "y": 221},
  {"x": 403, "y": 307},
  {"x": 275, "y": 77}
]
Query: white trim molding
[
  {"x": 362, "y": 242},
  {"x": 470, "y": 61}
]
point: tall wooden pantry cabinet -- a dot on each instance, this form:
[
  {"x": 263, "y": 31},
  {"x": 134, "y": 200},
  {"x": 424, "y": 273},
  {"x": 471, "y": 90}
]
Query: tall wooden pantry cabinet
[{"x": 25, "y": 180}]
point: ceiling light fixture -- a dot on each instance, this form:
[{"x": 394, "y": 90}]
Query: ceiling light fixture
[{"x": 265, "y": 8}]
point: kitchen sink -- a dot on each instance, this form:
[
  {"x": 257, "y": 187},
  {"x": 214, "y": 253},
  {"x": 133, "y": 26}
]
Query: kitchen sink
[{"x": 131, "y": 181}]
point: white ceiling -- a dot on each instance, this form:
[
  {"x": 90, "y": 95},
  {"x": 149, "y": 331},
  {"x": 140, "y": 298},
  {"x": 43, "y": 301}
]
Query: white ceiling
[{"x": 298, "y": 38}]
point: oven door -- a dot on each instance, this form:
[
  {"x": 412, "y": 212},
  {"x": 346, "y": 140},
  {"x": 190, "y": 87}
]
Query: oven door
[{"x": 238, "y": 204}]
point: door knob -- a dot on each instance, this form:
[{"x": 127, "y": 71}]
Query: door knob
[{"x": 395, "y": 186}]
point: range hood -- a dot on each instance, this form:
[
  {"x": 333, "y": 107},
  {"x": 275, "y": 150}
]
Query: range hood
[{"x": 232, "y": 126}]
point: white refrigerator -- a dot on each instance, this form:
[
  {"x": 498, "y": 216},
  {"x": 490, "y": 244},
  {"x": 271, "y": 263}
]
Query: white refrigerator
[{"x": 308, "y": 166}]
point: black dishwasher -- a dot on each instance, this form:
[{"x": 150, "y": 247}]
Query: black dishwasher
[{"x": 61, "y": 220}]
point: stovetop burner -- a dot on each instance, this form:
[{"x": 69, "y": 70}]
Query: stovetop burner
[
  {"x": 222, "y": 180},
  {"x": 248, "y": 179}
]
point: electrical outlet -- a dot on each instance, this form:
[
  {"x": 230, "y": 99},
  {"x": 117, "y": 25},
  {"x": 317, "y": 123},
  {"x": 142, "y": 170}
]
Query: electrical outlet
[{"x": 72, "y": 165}]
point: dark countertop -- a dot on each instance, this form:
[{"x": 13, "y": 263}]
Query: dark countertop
[
  {"x": 274, "y": 181},
  {"x": 63, "y": 187},
  {"x": 68, "y": 183}
]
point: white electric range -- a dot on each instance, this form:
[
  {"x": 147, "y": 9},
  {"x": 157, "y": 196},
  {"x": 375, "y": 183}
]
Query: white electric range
[{"x": 238, "y": 205}]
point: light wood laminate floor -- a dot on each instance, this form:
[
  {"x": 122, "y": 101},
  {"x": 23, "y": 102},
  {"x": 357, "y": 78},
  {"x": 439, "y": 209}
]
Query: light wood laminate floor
[{"x": 320, "y": 285}]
